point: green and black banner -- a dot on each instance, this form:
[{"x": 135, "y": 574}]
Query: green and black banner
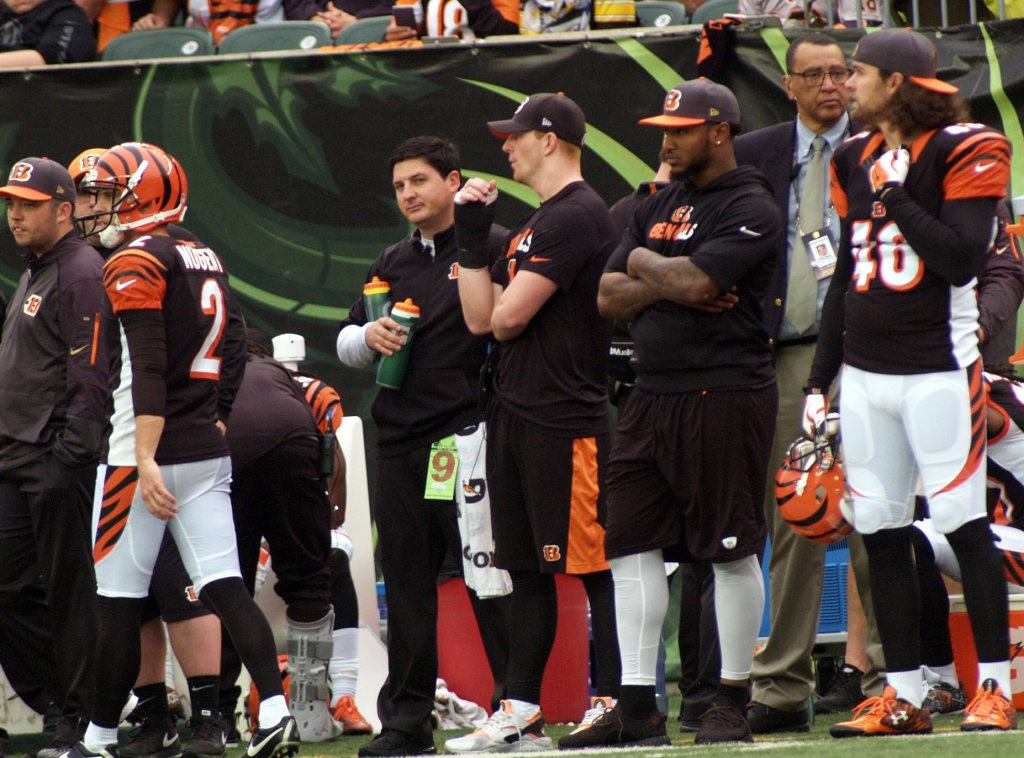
[{"x": 287, "y": 158}]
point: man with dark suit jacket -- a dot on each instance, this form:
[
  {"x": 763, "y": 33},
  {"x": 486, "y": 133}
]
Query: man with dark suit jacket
[{"x": 794, "y": 156}]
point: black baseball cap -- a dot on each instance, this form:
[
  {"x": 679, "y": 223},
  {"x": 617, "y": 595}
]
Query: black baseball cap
[
  {"x": 904, "y": 51},
  {"x": 39, "y": 179},
  {"x": 696, "y": 102},
  {"x": 546, "y": 112}
]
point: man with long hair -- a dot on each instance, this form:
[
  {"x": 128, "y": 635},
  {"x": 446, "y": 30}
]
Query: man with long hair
[{"x": 917, "y": 195}]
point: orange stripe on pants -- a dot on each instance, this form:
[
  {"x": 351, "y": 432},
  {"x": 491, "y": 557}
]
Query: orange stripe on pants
[{"x": 586, "y": 536}]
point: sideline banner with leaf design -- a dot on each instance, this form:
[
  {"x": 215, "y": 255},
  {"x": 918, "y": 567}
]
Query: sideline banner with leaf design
[{"x": 287, "y": 158}]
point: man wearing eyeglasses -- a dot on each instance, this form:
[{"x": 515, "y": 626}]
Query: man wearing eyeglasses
[{"x": 794, "y": 156}]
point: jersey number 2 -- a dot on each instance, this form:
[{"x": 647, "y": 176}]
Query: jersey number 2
[{"x": 206, "y": 365}]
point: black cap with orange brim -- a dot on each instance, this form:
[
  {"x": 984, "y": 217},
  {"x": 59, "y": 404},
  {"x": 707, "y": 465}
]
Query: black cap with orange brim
[
  {"x": 696, "y": 102},
  {"x": 906, "y": 52},
  {"x": 39, "y": 179}
]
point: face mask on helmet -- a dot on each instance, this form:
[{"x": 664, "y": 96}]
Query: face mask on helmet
[{"x": 810, "y": 490}]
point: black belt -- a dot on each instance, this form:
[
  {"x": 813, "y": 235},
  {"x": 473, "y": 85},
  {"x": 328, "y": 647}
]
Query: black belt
[{"x": 808, "y": 340}]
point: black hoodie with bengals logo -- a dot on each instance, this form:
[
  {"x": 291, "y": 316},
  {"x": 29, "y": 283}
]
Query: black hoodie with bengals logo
[{"x": 731, "y": 230}]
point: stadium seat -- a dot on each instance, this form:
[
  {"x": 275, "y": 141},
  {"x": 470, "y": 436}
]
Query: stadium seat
[
  {"x": 284, "y": 35},
  {"x": 173, "y": 42},
  {"x": 364, "y": 30},
  {"x": 660, "y": 13},
  {"x": 713, "y": 9}
]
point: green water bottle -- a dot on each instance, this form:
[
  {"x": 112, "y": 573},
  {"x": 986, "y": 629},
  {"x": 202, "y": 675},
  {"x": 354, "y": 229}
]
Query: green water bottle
[
  {"x": 377, "y": 299},
  {"x": 391, "y": 372}
]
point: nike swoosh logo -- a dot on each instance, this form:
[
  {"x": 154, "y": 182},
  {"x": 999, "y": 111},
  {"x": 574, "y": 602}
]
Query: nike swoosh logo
[
  {"x": 255, "y": 747},
  {"x": 1001, "y": 250},
  {"x": 538, "y": 259},
  {"x": 128, "y": 283},
  {"x": 980, "y": 167},
  {"x": 168, "y": 742},
  {"x": 749, "y": 232},
  {"x": 77, "y": 350}
]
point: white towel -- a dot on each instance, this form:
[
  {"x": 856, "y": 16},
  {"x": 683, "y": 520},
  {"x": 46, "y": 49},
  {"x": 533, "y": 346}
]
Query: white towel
[
  {"x": 474, "y": 505},
  {"x": 452, "y": 712}
]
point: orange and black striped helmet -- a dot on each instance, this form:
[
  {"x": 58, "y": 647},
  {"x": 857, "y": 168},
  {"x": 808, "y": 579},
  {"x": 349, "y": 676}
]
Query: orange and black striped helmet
[
  {"x": 809, "y": 488},
  {"x": 150, "y": 188}
]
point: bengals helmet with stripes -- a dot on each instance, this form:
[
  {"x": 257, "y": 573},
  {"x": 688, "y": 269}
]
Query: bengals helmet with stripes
[
  {"x": 150, "y": 189},
  {"x": 810, "y": 489}
]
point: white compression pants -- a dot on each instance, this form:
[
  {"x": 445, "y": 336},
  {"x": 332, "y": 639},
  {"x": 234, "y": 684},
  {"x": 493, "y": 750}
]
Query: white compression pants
[
  {"x": 127, "y": 537},
  {"x": 641, "y": 600},
  {"x": 895, "y": 427},
  {"x": 1009, "y": 543}
]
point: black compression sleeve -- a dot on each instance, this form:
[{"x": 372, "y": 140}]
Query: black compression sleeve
[
  {"x": 828, "y": 356},
  {"x": 954, "y": 244},
  {"x": 147, "y": 345}
]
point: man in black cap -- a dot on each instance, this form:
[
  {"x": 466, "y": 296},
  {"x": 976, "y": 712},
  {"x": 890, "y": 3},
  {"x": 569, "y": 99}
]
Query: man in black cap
[
  {"x": 54, "y": 390},
  {"x": 687, "y": 471},
  {"x": 547, "y": 425},
  {"x": 917, "y": 196}
]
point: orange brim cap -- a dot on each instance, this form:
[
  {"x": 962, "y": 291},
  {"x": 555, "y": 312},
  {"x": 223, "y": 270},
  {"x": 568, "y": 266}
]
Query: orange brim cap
[
  {"x": 935, "y": 85},
  {"x": 25, "y": 193},
  {"x": 671, "y": 122}
]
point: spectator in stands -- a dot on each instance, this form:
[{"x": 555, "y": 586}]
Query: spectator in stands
[
  {"x": 112, "y": 18},
  {"x": 40, "y": 32},
  {"x": 843, "y": 12},
  {"x": 335, "y": 16}
]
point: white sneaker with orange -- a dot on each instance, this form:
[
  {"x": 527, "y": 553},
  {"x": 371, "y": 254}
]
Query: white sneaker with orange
[
  {"x": 503, "y": 732},
  {"x": 598, "y": 706}
]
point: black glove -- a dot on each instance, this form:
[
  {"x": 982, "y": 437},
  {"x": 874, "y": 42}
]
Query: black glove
[{"x": 472, "y": 229}]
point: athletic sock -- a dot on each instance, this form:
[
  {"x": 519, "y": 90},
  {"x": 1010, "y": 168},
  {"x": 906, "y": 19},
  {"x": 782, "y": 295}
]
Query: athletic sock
[
  {"x": 600, "y": 589},
  {"x": 947, "y": 674},
  {"x": 981, "y": 573},
  {"x": 344, "y": 667},
  {"x": 909, "y": 685},
  {"x": 204, "y": 692},
  {"x": 739, "y": 606},
  {"x": 523, "y": 709},
  {"x": 1000, "y": 671},
  {"x": 637, "y": 701},
  {"x": 97, "y": 737},
  {"x": 896, "y": 597},
  {"x": 272, "y": 710},
  {"x": 936, "y": 645},
  {"x": 641, "y": 600},
  {"x": 152, "y": 701},
  {"x": 118, "y": 656}
]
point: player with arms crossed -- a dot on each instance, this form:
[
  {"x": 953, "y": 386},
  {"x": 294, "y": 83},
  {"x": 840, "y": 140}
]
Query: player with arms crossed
[
  {"x": 167, "y": 463},
  {"x": 917, "y": 195}
]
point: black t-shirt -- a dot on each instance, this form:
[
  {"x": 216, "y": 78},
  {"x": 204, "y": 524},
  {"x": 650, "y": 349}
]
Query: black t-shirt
[
  {"x": 269, "y": 409},
  {"x": 552, "y": 376},
  {"x": 56, "y": 29},
  {"x": 733, "y": 232}
]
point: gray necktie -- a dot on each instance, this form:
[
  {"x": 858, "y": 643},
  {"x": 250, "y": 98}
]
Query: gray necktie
[{"x": 802, "y": 292}]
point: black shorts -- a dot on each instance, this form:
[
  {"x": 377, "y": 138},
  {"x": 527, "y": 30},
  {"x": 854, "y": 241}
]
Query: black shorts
[
  {"x": 547, "y": 497},
  {"x": 171, "y": 595},
  {"x": 687, "y": 474}
]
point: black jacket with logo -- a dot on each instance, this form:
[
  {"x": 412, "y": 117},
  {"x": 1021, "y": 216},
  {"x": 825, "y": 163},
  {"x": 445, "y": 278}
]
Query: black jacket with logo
[
  {"x": 732, "y": 231},
  {"x": 54, "y": 362}
]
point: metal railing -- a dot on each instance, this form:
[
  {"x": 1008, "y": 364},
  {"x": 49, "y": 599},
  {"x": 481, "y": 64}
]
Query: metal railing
[{"x": 915, "y": 12}]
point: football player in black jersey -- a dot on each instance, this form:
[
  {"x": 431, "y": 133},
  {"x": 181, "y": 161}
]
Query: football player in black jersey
[
  {"x": 917, "y": 195},
  {"x": 167, "y": 465}
]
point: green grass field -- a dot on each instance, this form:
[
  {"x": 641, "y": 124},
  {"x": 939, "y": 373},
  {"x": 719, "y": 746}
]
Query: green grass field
[{"x": 947, "y": 742}]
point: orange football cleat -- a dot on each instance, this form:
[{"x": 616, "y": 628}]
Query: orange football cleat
[
  {"x": 885, "y": 715},
  {"x": 351, "y": 720},
  {"x": 989, "y": 710}
]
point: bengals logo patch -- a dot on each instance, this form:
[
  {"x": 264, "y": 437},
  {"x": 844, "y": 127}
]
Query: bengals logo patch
[
  {"x": 682, "y": 214},
  {"x": 453, "y": 272},
  {"x": 878, "y": 209},
  {"x": 552, "y": 553},
  {"x": 190, "y": 594},
  {"x": 31, "y": 307},
  {"x": 21, "y": 172},
  {"x": 672, "y": 100}
]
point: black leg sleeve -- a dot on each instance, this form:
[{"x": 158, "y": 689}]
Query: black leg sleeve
[
  {"x": 343, "y": 591},
  {"x": 249, "y": 630},
  {"x": 896, "y": 596},
  {"x": 492, "y": 616},
  {"x": 936, "y": 647},
  {"x": 601, "y": 594},
  {"x": 981, "y": 571},
  {"x": 535, "y": 618},
  {"x": 118, "y": 656}
]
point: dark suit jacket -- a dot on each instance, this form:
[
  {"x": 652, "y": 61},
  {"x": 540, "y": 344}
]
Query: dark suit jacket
[{"x": 771, "y": 150}]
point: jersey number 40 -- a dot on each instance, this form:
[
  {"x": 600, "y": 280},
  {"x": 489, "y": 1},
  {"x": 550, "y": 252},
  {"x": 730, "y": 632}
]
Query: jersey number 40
[{"x": 889, "y": 257}]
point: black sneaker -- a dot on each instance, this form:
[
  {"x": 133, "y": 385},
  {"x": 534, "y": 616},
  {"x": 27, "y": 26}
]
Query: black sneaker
[
  {"x": 763, "y": 719},
  {"x": 156, "y": 738},
  {"x": 613, "y": 728},
  {"x": 56, "y": 749},
  {"x": 231, "y": 734},
  {"x": 277, "y": 741},
  {"x": 391, "y": 742},
  {"x": 79, "y": 750},
  {"x": 208, "y": 737},
  {"x": 944, "y": 698},
  {"x": 724, "y": 721},
  {"x": 843, "y": 693}
]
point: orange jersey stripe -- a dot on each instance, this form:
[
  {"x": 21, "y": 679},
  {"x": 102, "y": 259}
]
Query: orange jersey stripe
[
  {"x": 585, "y": 549},
  {"x": 118, "y": 493},
  {"x": 976, "y": 455},
  {"x": 982, "y": 168},
  {"x": 133, "y": 283}
]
